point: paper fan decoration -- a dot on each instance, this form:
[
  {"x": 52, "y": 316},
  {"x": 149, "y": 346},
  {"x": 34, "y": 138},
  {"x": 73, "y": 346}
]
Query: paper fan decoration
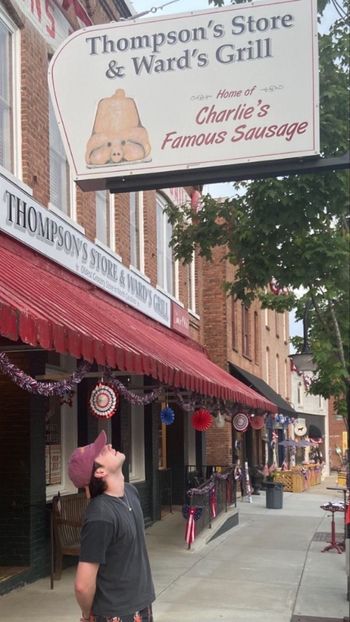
[
  {"x": 240, "y": 422},
  {"x": 201, "y": 420},
  {"x": 104, "y": 401},
  {"x": 167, "y": 415},
  {"x": 257, "y": 421}
]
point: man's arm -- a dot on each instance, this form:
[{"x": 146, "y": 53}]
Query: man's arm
[{"x": 85, "y": 586}]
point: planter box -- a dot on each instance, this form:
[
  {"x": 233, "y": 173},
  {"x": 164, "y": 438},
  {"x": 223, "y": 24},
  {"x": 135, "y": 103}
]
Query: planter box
[{"x": 292, "y": 481}]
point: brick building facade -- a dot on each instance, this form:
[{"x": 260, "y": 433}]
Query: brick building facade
[
  {"x": 244, "y": 339},
  {"x": 338, "y": 436},
  {"x": 50, "y": 317}
]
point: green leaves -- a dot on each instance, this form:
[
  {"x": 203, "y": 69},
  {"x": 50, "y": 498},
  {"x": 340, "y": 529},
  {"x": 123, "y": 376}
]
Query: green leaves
[{"x": 293, "y": 230}]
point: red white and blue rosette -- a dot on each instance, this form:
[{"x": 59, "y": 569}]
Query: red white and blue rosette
[
  {"x": 240, "y": 422},
  {"x": 257, "y": 421},
  {"x": 104, "y": 401}
]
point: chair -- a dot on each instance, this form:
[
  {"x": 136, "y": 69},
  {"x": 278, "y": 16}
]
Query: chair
[{"x": 67, "y": 517}]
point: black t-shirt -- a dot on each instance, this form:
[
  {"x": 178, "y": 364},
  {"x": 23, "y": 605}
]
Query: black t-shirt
[{"x": 113, "y": 537}]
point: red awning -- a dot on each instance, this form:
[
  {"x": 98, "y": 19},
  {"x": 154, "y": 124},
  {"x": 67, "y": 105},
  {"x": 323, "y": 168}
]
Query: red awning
[{"x": 45, "y": 305}]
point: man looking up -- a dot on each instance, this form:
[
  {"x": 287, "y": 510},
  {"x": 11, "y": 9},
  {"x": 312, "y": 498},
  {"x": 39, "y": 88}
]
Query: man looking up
[{"x": 113, "y": 579}]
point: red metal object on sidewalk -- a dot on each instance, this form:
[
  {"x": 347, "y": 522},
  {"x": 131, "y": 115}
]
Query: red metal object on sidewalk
[{"x": 333, "y": 508}]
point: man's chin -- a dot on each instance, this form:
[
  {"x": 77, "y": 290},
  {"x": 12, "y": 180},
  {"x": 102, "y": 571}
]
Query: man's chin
[{"x": 121, "y": 457}]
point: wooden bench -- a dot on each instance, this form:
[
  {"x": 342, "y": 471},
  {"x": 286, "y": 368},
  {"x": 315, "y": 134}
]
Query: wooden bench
[{"x": 67, "y": 517}]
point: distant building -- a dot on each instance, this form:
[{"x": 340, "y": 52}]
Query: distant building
[
  {"x": 252, "y": 344},
  {"x": 313, "y": 409}
]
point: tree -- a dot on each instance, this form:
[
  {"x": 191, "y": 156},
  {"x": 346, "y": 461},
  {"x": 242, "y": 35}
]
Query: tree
[{"x": 292, "y": 231}]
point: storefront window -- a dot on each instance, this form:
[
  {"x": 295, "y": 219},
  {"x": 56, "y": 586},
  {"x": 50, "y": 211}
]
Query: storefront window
[
  {"x": 137, "y": 435},
  {"x": 137, "y": 453},
  {"x": 6, "y": 97},
  {"x": 162, "y": 462},
  {"x": 53, "y": 443},
  {"x": 60, "y": 427}
]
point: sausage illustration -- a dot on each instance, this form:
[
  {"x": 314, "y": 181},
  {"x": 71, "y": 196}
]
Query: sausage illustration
[{"x": 118, "y": 135}]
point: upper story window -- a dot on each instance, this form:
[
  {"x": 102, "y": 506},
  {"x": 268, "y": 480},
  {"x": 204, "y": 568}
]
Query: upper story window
[
  {"x": 267, "y": 318},
  {"x": 300, "y": 394},
  {"x": 245, "y": 331},
  {"x": 277, "y": 373},
  {"x": 234, "y": 325},
  {"x": 103, "y": 217},
  {"x": 7, "y": 99},
  {"x": 285, "y": 331},
  {"x": 191, "y": 284},
  {"x": 60, "y": 185},
  {"x": 165, "y": 257},
  {"x": 137, "y": 258},
  {"x": 267, "y": 364},
  {"x": 286, "y": 372},
  {"x": 256, "y": 337},
  {"x": 277, "y": 315}
]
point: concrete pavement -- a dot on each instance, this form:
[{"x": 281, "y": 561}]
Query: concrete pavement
[{"x": 269, "y": 568}]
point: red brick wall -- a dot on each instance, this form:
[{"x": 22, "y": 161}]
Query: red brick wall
[
  {"x": 336, "y": 428},
  {"x": 217, "y": 325},
  {"x": 35, "y": 160},
  {"x": 34, "y": 113}
]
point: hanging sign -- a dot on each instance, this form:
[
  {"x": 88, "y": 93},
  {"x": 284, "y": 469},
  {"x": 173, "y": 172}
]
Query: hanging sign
[{"x": 205, "y": 89}]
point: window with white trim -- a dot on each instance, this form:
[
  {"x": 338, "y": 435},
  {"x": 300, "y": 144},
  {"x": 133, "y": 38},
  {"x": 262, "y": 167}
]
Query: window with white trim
[
  {"x": 256, "y": 338},
  {"x": 266, "y": 311},
  {"x": 7, "y": 94},
  {"x": 277, "y": 373},
  {"x": 103, "y": 217},
  {"x": 267, "y": 364},
  {"x": 137, "y": 257},
  {"x": 191, "y": 283},
  {"x": 300, "y": 394},
  {"x": 245, "y": 330},
  {"x": 60, "y": 182},
  {"x": 137, "y": 432},
  {"x": 165, "y": 256},
  {"x": 286, "y": 371},
  {"x": 285, "y": 320},
  {"x": 60, "y": 429}
]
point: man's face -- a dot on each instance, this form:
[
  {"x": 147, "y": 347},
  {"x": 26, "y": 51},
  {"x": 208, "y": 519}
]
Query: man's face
[{"x": 110, "y": 459}]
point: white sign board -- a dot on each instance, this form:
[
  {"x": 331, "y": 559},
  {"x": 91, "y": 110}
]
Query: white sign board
[
  {"x": 27, "y": 221},
  {"x": 195, "y": 90}
]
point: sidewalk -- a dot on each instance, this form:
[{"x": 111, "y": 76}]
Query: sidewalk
[{"x": 266, "y": 569}]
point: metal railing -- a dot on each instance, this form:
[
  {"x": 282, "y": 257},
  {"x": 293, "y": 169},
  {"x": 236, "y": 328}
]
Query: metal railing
[{"x": 210, "y": 491}]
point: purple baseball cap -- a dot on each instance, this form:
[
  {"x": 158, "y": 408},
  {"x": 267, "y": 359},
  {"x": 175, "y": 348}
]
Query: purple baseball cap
[{"x": 82, "y": 461}]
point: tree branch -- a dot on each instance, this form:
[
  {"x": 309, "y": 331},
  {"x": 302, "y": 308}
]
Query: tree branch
[
  {"x": 339, "y": 340},
  {"x": 318, "y": 313}
]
